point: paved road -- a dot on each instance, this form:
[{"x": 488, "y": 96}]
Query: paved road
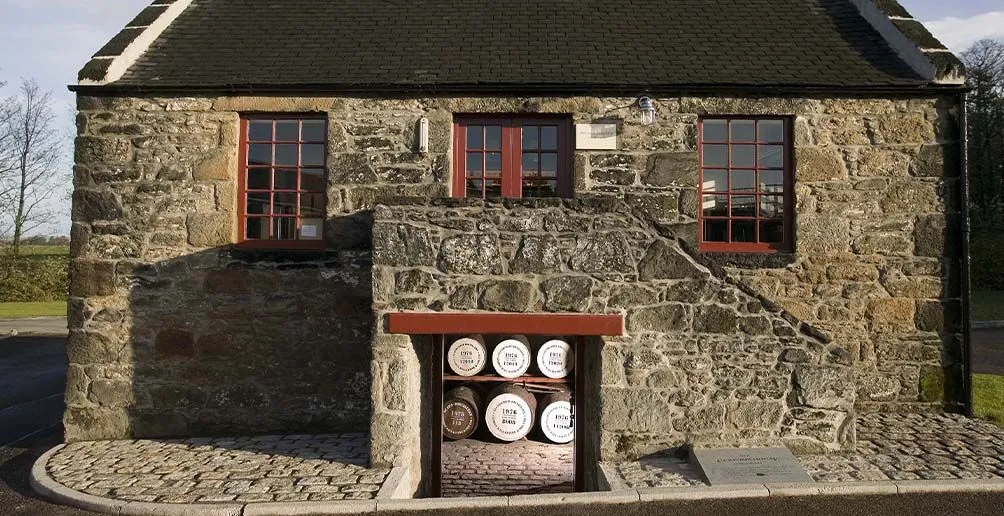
[
  {"x": 32, "y": 382},
  {"x": 988, "y": 351},
  {"x": 925, "y": 505},
  {"x": 38, "y": 326}
]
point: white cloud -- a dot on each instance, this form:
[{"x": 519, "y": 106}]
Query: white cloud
[{"x": 958, "y": 33}]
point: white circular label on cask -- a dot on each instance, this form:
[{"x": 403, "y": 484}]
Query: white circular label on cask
[
  {"x": 556, "y": 422},
  {"x": 459, "y": 420},
  {"x": 467, "y": 356},
  {"x": 555, "y": 359},
  {"x": 508, "y": 417},
  {"x": 511, "y": 358}
]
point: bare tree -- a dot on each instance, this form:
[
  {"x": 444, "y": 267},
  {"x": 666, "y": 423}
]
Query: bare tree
[
  {"x": 30, "y": 149},
  {"x": 985, "y": 69}
]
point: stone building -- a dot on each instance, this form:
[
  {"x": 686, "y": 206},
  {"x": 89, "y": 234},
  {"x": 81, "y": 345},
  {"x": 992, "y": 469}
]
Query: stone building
[{"x": 768, "y": 194}]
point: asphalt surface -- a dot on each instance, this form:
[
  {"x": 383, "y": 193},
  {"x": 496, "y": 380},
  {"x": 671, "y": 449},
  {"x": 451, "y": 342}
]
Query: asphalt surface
[
  {"x": 32, "y": 380},
  {"x": 988, "y": 351},
  {"x": 36, "y": 326}
]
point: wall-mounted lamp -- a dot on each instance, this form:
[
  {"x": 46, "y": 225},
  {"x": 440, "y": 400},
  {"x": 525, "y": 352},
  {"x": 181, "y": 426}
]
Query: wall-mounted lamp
[
  {"x": 423, "y": 135},
  {"x": 647, "y": 108}
]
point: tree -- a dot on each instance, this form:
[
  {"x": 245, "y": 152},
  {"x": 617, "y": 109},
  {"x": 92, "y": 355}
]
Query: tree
[
  {"x": 985, "y": 69},
  {"x": 30, "y": 151}
]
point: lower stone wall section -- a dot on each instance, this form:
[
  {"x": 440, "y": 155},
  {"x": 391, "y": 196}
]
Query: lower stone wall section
[
  {"x": 703, "y": 362},
  {"x": 220, "y": 342}
]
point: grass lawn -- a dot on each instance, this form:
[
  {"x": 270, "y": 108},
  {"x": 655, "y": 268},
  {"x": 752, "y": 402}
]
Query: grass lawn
[
  {"x": 988, "y": 305},
  {"x": 23, "y": 310},
  {"x": 44, "y": 250},
  {"x": 988, "y": 397}
]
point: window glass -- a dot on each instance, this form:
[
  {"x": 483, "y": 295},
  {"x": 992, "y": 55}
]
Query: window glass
[
  {"x": 743, "y": 176},
  {"x": 743, "y": 131},
  {"x": 287, "y": 130},
  {"x": 716, "y": 180},
  {"x": 284, "y": 181},
  {"x": 259, "y": 178},
  {"x": 260, "y": 131},
  {"x": 313, "y": 130},
  {"x": 512, "y": 157},
  {"x": 716, "y": 156},
  {"x": 531, "y": 137},
  {"x": 548, "y": 137},
  {"x": 286, "y": 178},
  {"x": 716, "y": 131},
  {"x": 475, "y": 137},
  {"x": 493, "y": 137},
  {"x": 770, "y": 131}
]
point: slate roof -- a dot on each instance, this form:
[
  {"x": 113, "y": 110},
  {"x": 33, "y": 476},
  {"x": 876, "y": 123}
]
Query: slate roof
[{"x": 520, "y": 43}]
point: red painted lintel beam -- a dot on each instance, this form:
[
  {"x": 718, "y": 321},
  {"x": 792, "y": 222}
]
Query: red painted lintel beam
[{"x": 436, "y": 323}]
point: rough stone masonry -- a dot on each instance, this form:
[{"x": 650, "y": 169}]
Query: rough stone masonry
[{"x": 174, "y": 331}]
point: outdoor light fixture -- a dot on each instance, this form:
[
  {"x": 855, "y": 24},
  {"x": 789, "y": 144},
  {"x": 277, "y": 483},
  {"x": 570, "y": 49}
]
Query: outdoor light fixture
[
  {"x": 423, "y": 135},
  {"x": 647, "y": 108}
]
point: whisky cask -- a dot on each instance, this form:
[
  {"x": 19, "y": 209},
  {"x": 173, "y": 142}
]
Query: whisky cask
[
  {"x": 509, "y": 415},
  {"x": 555, "y": 358},
  {"x": 461, "y": 412},
  {"x": 511, "y": 357},
  {"x": 554, "y": 417},
  {"x": 467, "y": 356}
]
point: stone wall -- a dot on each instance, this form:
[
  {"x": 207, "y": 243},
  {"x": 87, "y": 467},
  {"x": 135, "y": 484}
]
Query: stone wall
[
  {"x": 154, "y": 217},
  {"x": 703, "y": 361}
]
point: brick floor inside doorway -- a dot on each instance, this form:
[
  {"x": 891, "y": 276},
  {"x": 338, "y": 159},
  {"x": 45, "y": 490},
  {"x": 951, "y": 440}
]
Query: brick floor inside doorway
[{"x": 477, "y": 468}]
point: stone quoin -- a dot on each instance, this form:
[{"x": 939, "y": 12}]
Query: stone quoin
[{"x": 243, "y": 226}]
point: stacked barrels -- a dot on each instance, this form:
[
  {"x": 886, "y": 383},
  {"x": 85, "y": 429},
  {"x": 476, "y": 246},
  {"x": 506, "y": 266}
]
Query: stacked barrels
[
  {"x": 511, "y": 356},
  {"x": 509, "y": 411}
]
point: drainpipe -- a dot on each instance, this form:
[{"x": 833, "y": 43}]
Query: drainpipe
[{"x": 967, "y": 354}]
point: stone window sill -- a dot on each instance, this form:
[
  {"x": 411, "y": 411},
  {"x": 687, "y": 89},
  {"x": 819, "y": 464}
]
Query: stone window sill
[{"x": 749, "y": 260}]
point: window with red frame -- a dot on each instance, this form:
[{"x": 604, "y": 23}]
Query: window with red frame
[
  {"x": 511, "y": 157},
  {"x": 745, "y": 185},
  {"x": 282, "y": 181}
]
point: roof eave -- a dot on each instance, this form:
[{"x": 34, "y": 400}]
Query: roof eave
[{"x": 514, "y": 88}]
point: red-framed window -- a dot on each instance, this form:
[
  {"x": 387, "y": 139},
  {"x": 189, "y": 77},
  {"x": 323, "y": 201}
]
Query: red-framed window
[
  {"x": 512, "y": 157},
  {"x": 282, "y": 181},
  {"x": 745, "y": 184}
]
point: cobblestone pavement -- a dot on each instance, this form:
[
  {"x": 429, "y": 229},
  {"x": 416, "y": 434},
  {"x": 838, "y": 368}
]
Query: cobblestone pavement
[
  {"x": 890, "y": 447},
  {"x": 477, "y": 468},
  {"x": 245, "y": 469}
]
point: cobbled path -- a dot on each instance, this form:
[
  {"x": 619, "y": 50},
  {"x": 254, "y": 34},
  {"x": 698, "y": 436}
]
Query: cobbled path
[
  {"x": 476, "y": 468},
  {"x": 245, "y": 469},
  {"x": 890, "y": 447}
]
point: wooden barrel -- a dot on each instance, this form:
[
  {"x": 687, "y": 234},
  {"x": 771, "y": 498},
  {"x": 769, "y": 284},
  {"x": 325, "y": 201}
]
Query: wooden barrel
[
  {"x": 511, "y": 357},
  {"x": 461, "y": 412},
  {"x": 555, "y": 358},
  {"x": 468, "y": 355},
  {"x": 509, "y": 415},
  {"x": 554, "y": 416}
]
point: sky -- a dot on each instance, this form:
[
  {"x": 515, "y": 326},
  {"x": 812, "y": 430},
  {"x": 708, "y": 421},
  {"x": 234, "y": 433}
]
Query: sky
[{"x": 49, "y": 40}]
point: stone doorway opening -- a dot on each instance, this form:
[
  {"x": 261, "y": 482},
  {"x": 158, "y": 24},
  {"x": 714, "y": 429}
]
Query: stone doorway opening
[
  {"x": 509, "y": 411},
  {"x": 508, "y": 414}
]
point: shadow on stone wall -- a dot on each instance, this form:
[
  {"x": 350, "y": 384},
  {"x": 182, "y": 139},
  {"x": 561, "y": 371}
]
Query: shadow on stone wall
[{"x": 223, "y": 342}]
